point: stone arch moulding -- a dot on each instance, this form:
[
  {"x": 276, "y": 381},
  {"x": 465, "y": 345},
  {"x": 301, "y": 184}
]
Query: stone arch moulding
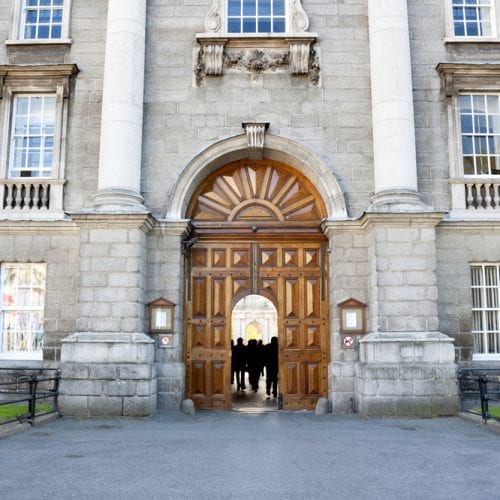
[{"x": 236, "y": 148}]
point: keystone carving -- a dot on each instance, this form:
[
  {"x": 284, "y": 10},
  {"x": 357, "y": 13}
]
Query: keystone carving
[{"x": 255, "y": 134}]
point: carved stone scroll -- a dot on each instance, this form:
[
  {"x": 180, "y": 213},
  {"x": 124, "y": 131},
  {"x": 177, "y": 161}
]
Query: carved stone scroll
[
  {"x": 300, "y": 20},
  {"x": 213, "y": 22}
]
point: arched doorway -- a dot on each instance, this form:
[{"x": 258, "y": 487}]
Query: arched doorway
[
  {"x": 256, "y": 230},
  {"x": 254, "y": 325}
]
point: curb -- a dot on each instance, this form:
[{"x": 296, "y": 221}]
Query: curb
[
  {"x": 491, "y": 424},
  {"x": 14, "y": 427}
]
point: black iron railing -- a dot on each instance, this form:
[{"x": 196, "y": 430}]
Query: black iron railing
[
  {"x": 479, "y": 385},
  {"x": 34, "y": 389}
]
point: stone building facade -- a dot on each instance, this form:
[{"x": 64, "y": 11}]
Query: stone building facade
[{"x": 115, "y": 113}]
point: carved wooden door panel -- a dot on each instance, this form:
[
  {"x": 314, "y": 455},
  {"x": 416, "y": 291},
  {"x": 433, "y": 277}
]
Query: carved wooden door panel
[
  {"x": 294, "y": 276},
  {"x": 217, "y": 272}
]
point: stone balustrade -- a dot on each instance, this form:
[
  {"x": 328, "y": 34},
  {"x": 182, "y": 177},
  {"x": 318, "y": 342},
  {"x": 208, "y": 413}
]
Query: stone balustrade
[
  {"x": 482, "y": 194},
  {"x": 31, "y": 195}
]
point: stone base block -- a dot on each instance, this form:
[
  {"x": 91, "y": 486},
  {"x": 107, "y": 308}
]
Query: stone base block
[
  {"x": 407, "y": 374},
  {"x": 108, "y": 375}
]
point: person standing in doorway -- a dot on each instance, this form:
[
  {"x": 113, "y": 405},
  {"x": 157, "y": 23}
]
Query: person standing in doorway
[
  {"x": 240, "y": 363},
  {"x": 272, "y": 367}
]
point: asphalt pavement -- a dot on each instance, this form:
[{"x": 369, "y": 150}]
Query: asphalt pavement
[{"x": 277, "y": 455}]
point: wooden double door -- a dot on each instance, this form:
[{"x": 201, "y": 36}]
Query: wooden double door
[{"x": 293, "y": 275}]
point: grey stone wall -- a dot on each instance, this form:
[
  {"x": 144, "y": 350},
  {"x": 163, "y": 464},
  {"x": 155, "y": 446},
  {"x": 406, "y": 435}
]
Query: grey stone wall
[
  {"x": 331, "y": 118},
  {"x": 57, "y": 245},
  {"x": 165, "y": 279},
  {"x": 458, "y": 245}
]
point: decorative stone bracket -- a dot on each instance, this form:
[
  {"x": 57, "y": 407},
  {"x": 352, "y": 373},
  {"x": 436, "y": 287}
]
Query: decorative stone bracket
[
  {"x": 298, "y": 41},
  {"x": 212, "y": 55}
]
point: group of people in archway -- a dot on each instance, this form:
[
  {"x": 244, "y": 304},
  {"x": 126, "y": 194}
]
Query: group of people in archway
[{"x": 253, "y": 358}]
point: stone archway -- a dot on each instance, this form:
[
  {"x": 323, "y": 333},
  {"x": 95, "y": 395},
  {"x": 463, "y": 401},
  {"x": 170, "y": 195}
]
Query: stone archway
[
  {"x": 276, "y": 148},
  {"x": 256, "y": 230}
]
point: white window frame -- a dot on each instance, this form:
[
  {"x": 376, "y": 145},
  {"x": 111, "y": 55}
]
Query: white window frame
[
  {"x": 460, "y": 136},
  {"x": 450, "y": 25},
  {"x": 36, "y": 80},
  {"x": 18, "y": 23},
  {"x": 20, "y": 355},
  {"x": 257, "y": 17},
  {"x": 27, "y": 135},
  {"x": 484, "y": 310},
  {"x": 459, "y": 79}
]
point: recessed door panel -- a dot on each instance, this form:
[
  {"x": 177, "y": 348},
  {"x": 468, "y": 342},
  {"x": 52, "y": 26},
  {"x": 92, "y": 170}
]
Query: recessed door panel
[{"x": 293, "y": 276}]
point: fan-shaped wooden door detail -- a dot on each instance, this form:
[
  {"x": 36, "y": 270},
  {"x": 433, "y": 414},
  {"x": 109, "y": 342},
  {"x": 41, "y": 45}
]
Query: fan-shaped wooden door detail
[{"x": 257, "y": 191}]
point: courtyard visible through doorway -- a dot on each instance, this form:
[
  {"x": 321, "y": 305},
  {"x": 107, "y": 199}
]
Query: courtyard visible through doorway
[{"x": 255, "y": 321}]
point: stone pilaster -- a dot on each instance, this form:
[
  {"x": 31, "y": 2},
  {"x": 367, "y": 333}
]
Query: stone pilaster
[
  {"x": 122, "y": 109},
  {"x": 406, "y": 366},
  {"x": 392, "y": 107},
  {"x": 108, "y": 364},
  {"x": 165, "y": 279}
]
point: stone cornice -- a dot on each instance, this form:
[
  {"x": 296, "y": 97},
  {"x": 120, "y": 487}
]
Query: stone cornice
[
  {"x": 369, "y": 220},
  {"x": 128, "y": 221},
  {"x": 460, "y": 74},
  {"x": 25, "y": 227},
  {"x": 488, "y": 226},
  {"x": 58, "y": 73}
]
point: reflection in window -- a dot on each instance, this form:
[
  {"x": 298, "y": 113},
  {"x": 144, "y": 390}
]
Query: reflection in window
[
  {"x": 485, "y": 288},
  {"x": 472, "y": 18},
  {"x": 256, "y": 16},
  {"x": 32, "y": 136},
  {"x": 22, "y": 288},
  {"x": 42, "y": 19},
  {"x": 480, "y": 130}
]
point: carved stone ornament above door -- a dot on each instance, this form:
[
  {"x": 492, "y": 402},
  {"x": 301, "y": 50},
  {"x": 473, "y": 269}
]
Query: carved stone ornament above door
[{"x": 291, "y": 51}]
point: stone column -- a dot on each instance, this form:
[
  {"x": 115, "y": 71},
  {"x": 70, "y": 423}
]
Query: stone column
[
  {"x": 395, "y": 167},
  {"x": 122, "y": 108}
]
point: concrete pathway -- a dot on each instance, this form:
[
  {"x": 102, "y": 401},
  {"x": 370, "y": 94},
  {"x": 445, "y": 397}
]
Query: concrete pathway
[{"x": 217, "y": 455}]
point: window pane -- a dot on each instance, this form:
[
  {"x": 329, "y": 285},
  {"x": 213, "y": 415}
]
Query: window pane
[
  {"x": 265, "y": 25},
  {"x": 233, "y": 26},
  {"x": 279, "y": 7},
  {"x": 249, "y": 8},
  {"x": 279, "y": 25},
  {"x": 234, "y": 8},
  {"x": 264, "y": 7},
  {"x": 249, "y": 25}
]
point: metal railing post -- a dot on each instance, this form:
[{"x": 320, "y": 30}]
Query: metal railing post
[
  {"x": 33, "y": 383},
  {"x": 483, "y": 392}
]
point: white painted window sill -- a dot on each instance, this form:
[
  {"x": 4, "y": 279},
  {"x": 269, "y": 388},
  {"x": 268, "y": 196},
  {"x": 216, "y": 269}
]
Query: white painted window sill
[
  {"x": 471, "y": 39},
  {"x": 485, "y": 357},
  {"x": 30, "y": 42}
]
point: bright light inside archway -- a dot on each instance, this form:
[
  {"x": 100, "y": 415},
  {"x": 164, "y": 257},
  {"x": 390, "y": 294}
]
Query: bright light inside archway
[{"x": 254, "y": 317}]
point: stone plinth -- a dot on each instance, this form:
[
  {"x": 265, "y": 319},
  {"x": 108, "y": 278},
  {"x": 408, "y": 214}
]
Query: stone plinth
[
  {"x": 109, "y": 374},
  {"x": 406, "y": 374}
]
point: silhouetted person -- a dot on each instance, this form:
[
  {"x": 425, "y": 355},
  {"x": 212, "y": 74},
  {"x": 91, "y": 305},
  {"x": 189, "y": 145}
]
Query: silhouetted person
[
  {"x": 239, "y": 361},
  {"x": 262, "y": 357},
  {"x": 253, "y": 364},
  {"x": 272, "y": 367},
  {"x": 233, "y": 371}
]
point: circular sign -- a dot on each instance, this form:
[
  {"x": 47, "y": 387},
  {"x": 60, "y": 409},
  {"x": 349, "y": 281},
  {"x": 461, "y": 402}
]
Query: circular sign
[
  {"x": 165, "y": 340},
  {"x": 348, "y": 341}
]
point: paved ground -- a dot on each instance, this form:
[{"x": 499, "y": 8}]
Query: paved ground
[{"x": 273, "y": 455}]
